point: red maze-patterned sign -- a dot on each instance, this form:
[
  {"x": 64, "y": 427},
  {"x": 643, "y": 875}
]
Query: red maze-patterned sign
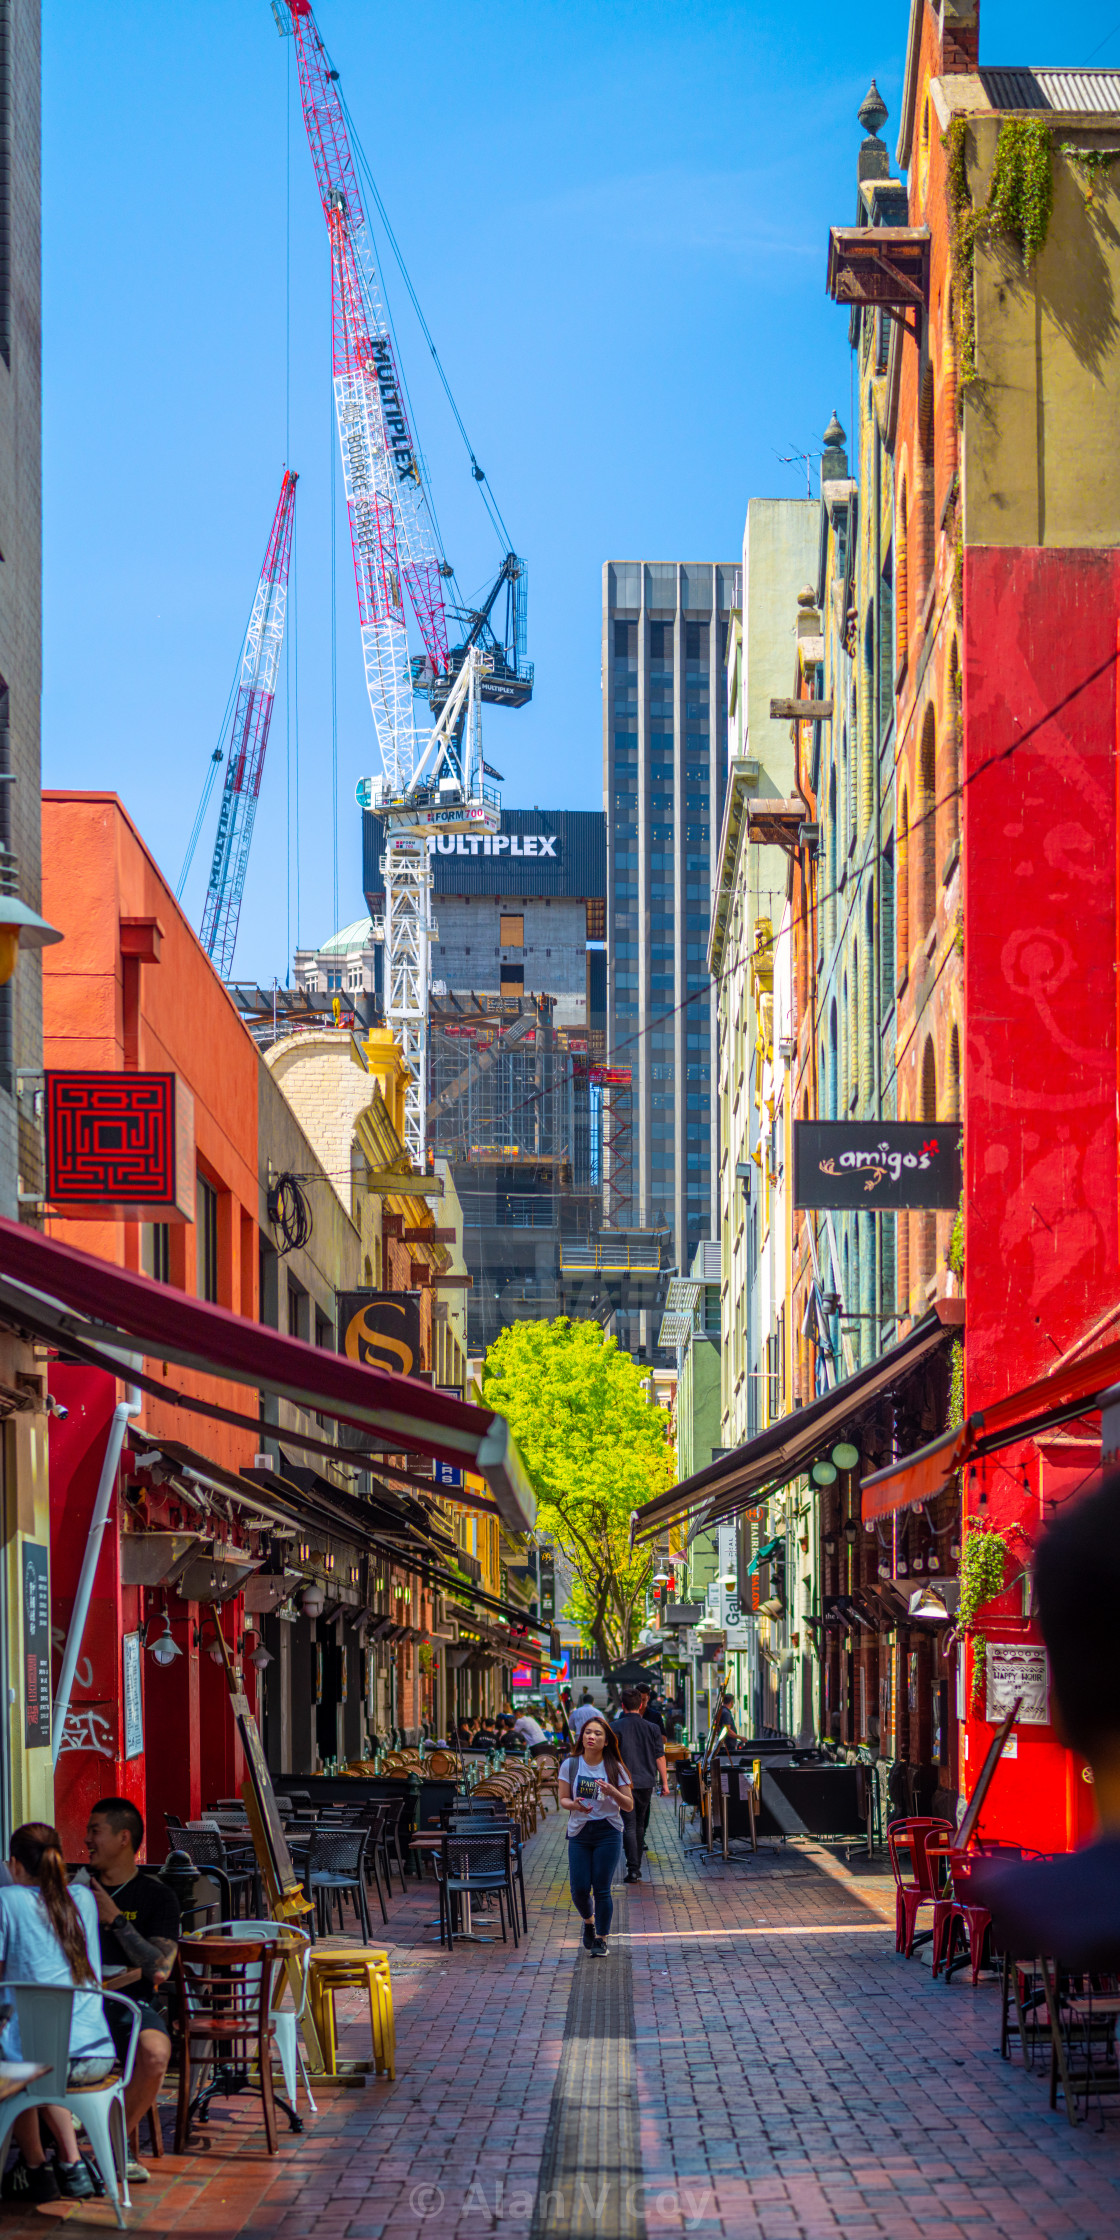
[{"x": 120, "y": 1141}]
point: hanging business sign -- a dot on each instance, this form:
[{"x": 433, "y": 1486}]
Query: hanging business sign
[
  {"x": 873, "y": 1166},
  {"x": 120, "y": 1143},
  {"x": 381, "y": 1329},
  {"x": 36, "y": 1646}
]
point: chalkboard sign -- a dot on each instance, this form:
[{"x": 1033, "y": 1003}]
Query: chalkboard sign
[{"x": 277, "y": 1862}]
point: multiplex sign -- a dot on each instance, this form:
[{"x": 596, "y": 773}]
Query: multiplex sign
[
  {"x": 530, "y": 845},
  {"x": 876, "y": 1165}
]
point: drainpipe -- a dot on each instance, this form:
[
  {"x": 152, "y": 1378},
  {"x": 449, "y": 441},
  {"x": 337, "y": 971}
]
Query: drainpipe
[{"x": 122, "y": 1414}]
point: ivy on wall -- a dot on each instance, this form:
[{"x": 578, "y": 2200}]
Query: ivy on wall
[
  {"x": 1091, "y": 164},
  {"x": 1019, "y": 204},
  {"x": 984, "y": 1560}
]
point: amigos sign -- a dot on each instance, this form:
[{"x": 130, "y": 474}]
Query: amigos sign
[{"x": 873, "y": 1165}]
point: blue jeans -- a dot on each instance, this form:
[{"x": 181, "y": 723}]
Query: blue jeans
[{"x": 593, "y": 1856}]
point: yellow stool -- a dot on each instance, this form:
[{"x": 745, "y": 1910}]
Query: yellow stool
[{"x": 340, "y": 1970}]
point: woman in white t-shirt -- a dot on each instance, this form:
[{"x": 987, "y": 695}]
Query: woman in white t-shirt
[{"x": 596, "y": 1790}]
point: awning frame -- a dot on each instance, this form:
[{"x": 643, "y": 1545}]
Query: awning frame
[
  {"x": 786, "y": 1449},
  {"x": 71, "y": 1297}
]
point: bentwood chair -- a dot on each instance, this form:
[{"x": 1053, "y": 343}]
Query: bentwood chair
[{"x": 224, "y": 2024}]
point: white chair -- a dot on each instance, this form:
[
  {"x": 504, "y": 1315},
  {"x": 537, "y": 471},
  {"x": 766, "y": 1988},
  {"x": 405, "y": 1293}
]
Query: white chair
[
  {"x": 43, "y": 2011},
  {"x": 285, "y": 2020}
]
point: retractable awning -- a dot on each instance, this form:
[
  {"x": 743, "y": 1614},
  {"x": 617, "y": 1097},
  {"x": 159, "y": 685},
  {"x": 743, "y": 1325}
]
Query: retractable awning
[
  {"x": 787, "y": 1448},
  {"x": 1069, "y": 1392},
  {"x": 63, "y": 1295}
]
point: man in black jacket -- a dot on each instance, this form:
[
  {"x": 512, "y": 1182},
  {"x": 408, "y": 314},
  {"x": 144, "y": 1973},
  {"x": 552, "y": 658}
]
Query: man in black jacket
[{"x": 642, "y": 1750}]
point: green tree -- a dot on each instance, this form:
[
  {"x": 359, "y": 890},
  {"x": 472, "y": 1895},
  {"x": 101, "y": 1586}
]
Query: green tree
[{"x": 595, "y": 1449}]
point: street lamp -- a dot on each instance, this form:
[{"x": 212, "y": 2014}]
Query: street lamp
[{"x": 20, "y": 926}]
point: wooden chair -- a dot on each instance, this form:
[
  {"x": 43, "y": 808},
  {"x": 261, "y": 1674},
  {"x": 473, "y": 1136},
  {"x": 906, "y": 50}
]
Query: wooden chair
[{"x": 224, "y": 2023}]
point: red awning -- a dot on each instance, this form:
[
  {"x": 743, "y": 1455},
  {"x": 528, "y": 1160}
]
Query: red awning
[
  {"x": 60, "y": 1293},
  {"x": 1072, "y": 1390}
]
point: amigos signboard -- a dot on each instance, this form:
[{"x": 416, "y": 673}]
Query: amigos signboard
[{"x": 875, "y": 1166}]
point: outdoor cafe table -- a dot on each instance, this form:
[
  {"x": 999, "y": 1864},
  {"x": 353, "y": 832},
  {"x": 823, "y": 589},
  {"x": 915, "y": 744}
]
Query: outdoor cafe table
[{"x": 15, "y": 2076}]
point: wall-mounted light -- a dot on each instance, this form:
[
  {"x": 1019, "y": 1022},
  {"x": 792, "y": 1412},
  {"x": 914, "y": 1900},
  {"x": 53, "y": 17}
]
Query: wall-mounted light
[
  {"x": 260, "y": 1656},
  {"x": 165, "y": 1648},
  {"x": 312, "y": 1599},
  {"x": 20, "y": 926}
]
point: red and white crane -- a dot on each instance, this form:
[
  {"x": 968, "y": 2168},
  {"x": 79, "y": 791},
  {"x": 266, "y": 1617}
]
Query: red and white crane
[
  {"x": 247, "y": 739},
  {"x": 435, "y": 782}
]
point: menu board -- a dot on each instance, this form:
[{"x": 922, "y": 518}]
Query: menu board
[{"x": 1017, "y": 1669}]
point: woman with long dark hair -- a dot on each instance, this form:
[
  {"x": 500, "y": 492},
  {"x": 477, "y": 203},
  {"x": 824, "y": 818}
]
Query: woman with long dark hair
[
  {"x": 48, "y": 1934},
  {"x": 595, "y": 1788}
]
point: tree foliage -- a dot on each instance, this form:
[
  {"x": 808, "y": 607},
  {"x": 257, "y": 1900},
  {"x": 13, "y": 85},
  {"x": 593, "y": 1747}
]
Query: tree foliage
[{"x": 595, "y": 1449}]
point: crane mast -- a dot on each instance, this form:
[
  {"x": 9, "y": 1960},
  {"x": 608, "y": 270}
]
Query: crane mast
[
  {"x": 429, "y": 784},
  {"x": 247, "y": 739}
]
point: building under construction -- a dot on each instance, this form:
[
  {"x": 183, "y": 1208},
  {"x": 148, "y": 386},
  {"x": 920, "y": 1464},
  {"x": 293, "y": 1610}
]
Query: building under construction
[{"x": 538, "y": 1133}]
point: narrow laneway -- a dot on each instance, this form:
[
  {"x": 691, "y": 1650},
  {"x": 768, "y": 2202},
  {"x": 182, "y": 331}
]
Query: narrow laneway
[{"x": 753, "y": 2058}]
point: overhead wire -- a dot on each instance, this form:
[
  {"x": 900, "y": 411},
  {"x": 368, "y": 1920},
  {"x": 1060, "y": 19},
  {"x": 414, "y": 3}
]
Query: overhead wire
[{"x": 480, "y": 478}]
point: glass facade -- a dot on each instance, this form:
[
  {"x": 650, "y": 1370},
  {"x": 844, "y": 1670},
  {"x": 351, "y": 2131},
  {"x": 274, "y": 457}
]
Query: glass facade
[{"x": 664, "y": 770}]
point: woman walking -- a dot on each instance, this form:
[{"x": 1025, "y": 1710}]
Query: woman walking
[
  {"x": 48, "y": 1934},
  {"x": 595, "y": 1788}
]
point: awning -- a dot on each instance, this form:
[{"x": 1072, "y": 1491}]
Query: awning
[
  {"x": 62, "y": 1294},
  {"x": 1072, "y": 1390},
  {"x": 787, "y": 1448}
]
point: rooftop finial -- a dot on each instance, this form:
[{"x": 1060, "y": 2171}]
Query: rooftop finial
[
  {"x": 872, "y": 110},
  {"x": 834, "y": 434}
]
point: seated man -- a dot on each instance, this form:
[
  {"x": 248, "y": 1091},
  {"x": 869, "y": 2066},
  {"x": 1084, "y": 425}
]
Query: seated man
[
  {"x": 139, "y": 1926},
  {"x": 1069, "y": 1907}
]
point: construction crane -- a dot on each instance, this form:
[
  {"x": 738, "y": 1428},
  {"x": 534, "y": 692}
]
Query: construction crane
[
  {"x": 432, "y": 783},
  {"x": 245, "y": 742},
  {"x": 509, "y": 681}
]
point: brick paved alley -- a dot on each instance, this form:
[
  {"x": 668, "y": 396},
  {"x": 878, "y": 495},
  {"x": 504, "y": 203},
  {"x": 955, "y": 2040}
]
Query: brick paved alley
[{"x": 753, "y": 2059}]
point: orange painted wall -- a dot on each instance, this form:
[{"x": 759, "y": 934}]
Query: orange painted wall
[{"x": 96, "y": 871}]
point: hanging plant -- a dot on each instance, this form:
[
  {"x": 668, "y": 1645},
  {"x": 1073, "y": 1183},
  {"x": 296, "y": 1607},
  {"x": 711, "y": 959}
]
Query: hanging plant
[
  {"x": 1092, "y": 163},
  {"x": 984, "y": 1560},
  {"x": 956, "y": 1375},
  {"x": 1019, "y": 203},
  {"x": 956, "y": 1242},
  {"x": 1022, "y": 194}
]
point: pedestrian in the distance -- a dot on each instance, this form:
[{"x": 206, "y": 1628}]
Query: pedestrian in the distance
[
  {"x": 643, "y": 1749},
  {"x": 595, "y": 1790}
]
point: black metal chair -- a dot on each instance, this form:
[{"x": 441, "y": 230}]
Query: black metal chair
[
  {"x": 335, "y": 1869},
  {"x": 469, "y": 1824},
  {"x": 204, "y": 1848},
  {"x": 390, "y": 1838},
  {"x": 470, "y": 1866}
]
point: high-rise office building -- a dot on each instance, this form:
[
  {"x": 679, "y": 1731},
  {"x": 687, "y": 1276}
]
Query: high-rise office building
[{"x": 664, "y": 770}]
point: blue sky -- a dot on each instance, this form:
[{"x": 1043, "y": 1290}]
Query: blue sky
[{"x": 616, "y": 220}]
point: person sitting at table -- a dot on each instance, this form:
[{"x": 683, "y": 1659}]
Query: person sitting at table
[
  {"x": 48, "y": 1934},
  {"x": 139, "y": 1930}
]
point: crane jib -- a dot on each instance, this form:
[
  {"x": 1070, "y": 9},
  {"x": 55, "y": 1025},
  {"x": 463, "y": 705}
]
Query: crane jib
[{"x": 398, "y": 439}]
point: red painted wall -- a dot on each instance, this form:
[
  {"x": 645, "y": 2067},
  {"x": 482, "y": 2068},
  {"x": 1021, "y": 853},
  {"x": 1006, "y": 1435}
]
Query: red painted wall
[
  {"x": 1040, "y": 1076},
  {"x": 96, "y": 1767}
]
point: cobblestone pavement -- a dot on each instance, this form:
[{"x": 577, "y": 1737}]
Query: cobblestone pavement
[{"x": 792, "y": 2076}]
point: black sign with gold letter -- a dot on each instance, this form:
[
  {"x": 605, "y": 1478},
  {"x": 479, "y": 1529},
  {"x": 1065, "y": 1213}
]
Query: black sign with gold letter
[{"x": 381, "y": 1329}]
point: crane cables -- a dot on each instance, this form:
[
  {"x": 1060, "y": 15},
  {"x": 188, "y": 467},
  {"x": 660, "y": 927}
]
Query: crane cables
[{"x": 484, "y": 490}]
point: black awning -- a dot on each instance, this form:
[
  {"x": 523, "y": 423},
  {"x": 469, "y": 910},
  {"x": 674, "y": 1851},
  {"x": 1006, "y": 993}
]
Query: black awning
[{"x": 787, "y": 1448}]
